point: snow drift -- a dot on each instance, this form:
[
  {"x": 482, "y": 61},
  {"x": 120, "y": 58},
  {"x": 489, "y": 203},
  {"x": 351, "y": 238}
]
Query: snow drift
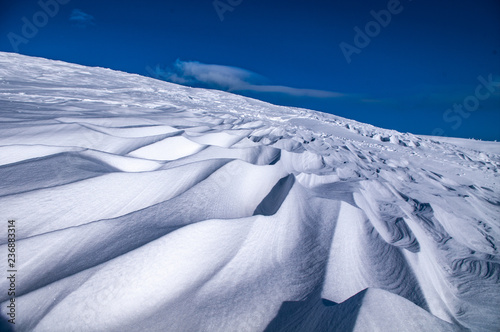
[{"x": 142, "y": 205}]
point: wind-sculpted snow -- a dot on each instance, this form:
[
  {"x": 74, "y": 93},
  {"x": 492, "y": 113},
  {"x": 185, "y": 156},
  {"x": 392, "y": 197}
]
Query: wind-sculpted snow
[{"x": 142, "y": 205}]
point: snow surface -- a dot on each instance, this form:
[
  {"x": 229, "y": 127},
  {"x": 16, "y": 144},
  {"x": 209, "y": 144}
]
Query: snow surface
[{"x": 142, "y": 205}]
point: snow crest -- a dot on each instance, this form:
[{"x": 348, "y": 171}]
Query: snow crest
[{"x": 142, "y": 205}]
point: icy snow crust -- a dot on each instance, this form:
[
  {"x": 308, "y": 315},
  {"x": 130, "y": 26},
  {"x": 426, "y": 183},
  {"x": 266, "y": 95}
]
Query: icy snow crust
[{"x": 142, "y": 205}]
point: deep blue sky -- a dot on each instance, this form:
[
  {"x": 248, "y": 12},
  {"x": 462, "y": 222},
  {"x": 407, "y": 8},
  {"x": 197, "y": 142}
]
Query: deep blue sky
[{"x": 409, "y": 77}]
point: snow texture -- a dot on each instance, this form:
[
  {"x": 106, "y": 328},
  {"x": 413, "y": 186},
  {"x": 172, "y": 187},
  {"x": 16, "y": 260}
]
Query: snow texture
[{"x": 143, "y": 205}]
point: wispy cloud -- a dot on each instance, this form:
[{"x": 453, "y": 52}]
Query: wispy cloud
[
  {"x": 293, "y": 91},
  {"x": 81, "y": 19},
  {"x": 229, "y": 78},
  {"x": 215, "y": 76}
]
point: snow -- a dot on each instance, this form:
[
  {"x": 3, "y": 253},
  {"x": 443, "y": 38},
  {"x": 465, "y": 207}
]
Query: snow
[
  {"x": 168, "y": 149},
  {"x": 142, "y": 205}
]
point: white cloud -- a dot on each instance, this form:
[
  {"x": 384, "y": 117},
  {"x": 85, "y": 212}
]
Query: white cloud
[
  {"x": 228, "y": 78},
  {"x": 221, "y": 77},
  {"x": 293, "y": 91}
]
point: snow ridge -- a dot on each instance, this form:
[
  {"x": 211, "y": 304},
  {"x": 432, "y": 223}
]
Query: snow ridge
[{"x": 144, "y": 205}]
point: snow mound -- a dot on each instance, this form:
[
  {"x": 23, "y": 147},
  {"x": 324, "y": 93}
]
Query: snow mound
[{"x": 142, "y": 205}]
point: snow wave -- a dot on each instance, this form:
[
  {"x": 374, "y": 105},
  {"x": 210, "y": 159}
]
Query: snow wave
[{"x": 143, "y": 205}]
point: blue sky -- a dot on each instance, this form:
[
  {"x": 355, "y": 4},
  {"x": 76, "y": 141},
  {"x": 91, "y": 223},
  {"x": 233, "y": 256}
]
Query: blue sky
[{"x": 421, "y": 66}]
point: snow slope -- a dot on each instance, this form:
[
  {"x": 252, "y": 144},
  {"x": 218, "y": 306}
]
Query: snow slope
[{"x": 142, "y": 205}]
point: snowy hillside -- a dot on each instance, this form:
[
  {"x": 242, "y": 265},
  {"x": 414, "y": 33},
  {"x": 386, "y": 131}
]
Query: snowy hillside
[{"x": 142, "y": 205}]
